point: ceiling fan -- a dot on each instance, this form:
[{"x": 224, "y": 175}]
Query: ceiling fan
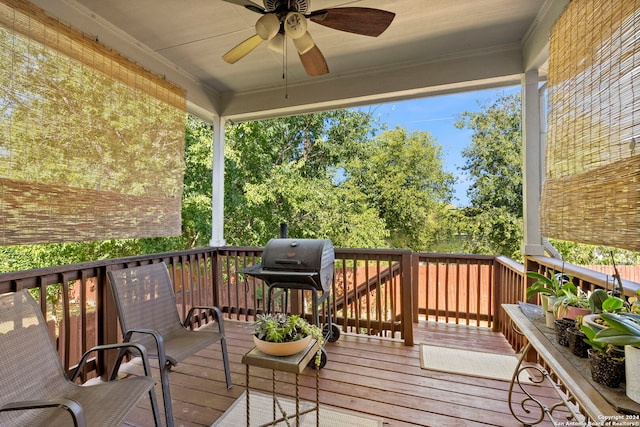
[{"x": 289, "y": 17}]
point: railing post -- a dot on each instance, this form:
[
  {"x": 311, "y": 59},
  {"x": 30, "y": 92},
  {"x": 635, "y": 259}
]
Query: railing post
[
  {"x": 406, "y": 294},
  {"x": 107, "y": 321},
  {"x": 496, "y": 321},
  {"x": 415, "y": 285}
]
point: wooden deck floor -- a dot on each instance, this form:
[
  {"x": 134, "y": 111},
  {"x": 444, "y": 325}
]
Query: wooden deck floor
[{"x": 371, "y": 375}]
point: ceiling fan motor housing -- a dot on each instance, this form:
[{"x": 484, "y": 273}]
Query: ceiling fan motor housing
[{"x": 301, "y": 6}]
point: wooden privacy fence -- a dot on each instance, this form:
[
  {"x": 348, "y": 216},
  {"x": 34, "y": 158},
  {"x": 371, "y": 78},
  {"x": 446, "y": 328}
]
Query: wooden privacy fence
[{"x": 455, "y": 289}]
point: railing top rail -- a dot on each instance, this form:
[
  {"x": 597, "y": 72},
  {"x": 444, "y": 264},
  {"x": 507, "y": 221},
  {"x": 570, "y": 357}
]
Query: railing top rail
[
  {"x": 438, "y": 256},
  {"x": 600, "y": 279},
  {"x": 508, "y": 262}
]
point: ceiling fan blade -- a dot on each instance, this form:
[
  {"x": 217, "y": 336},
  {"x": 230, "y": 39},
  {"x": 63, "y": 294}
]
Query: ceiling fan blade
[
  {"x": 248, "y": 4},
  {"x": 242, "y": 49},
  {"x": 358, "y": 20},
  {"x": 314, "y": 62}
]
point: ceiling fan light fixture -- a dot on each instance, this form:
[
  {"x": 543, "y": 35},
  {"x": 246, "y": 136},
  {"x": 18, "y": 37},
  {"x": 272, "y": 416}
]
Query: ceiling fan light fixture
[
  {"x": 276, "y": 44},
  {"x": 268, "y": 26},
  {"x": 295, "y": 25},
  {"x": 304, "y": 44}
]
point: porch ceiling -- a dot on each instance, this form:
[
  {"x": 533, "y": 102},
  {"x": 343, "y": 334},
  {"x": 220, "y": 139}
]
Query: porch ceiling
[{"x": 432, "y": 47}]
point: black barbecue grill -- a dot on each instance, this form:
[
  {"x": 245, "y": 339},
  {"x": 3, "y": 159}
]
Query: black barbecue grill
[{"x": 300, "y": 264}]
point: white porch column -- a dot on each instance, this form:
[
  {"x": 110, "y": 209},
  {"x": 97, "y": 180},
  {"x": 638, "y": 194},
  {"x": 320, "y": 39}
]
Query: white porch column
[
  {"x": 533, "y": 162},
  {"x": 217, "y": 190}
]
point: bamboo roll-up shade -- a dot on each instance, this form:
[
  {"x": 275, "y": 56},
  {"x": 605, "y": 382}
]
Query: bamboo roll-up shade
[
  {"x": 91, "y": 145},
  {"x": 591, "y": 192}
]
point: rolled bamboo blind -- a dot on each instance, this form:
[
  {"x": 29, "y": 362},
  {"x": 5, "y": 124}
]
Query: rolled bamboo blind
[
  {"x": 91, "y": 144},
  {"x": 591, "y": 192}
]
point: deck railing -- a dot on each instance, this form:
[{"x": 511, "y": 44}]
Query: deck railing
[
  {"x": 585, "y": 279},
  {"x": 375, "y": 292}
]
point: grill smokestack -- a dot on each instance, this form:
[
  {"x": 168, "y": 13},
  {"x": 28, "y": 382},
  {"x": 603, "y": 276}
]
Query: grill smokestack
[{"x": 284, "y": 232}]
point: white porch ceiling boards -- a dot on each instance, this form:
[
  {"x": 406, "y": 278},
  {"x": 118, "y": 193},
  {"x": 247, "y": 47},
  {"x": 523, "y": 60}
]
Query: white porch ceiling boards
[{"x": 432, "y": 47}]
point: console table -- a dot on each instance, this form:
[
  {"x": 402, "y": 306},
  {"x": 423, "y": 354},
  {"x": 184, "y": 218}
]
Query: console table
[
  {"x": 293, "y": 364},
  {"x": 587, "y": 402}
]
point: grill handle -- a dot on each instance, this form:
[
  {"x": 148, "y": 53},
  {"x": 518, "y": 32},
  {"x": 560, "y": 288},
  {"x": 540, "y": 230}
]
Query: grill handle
[{"x": 288, "y": 261}]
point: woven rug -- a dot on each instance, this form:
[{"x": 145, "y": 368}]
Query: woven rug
[
  {"x": 262, "y": 412},
  {"x": 470, "y": 363}
]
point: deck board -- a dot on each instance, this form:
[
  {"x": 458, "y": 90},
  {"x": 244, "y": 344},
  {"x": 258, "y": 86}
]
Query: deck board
[{"x": 367, "y": 374}]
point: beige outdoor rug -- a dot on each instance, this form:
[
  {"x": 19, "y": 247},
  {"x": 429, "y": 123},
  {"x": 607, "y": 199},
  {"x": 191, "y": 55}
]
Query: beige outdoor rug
[
  {"x": 471, "y": 363},
  {"x": 262, "y": 412}
]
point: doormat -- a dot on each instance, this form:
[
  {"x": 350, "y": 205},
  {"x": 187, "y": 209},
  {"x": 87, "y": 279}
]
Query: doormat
[
  {"x": 471, "y": 363},
  {"x": 262, "y": 412}
]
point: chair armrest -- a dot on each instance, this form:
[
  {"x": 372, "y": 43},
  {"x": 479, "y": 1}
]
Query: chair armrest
[
  {"x": 120, "y": 346},
  {"x": 69, "y": 405},
  {"x": 215, "y": 313},
  {"x": 162, "y": 356}
]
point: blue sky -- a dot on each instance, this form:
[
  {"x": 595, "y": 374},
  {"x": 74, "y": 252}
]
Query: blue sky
[{"x": 437, "y": 115}]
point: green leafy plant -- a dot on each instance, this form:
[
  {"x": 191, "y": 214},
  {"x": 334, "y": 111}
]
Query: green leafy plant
[
  {"x": 572, "y": 298},
  {"x": 623, "y": 329},
  {"x": 279, "y": 327},
  {"x": 614, "y": 305},
  {"x": 596, "y": 300},
  {"x": 553, "y": 286},
  {"x": 634, "y": 303},
  {"x": 603, "y": 348}
]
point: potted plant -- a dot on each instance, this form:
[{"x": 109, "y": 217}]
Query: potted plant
[
  {"x": 623, "y": 329},
  {"x": 610, "y": 304},
  {"x": 279, "y": 334},
  {"x": 575, "y": 338},
  {"x": 605, "y": 360},
  {"x": 561, "y": 326},
  {"x": 549, "y": 289},
  {"x": 572, "y": 303}
]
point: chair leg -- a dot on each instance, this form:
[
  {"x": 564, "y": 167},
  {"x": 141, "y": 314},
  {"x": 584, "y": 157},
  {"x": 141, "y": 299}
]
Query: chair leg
[
  {"x": 225, "y": 360},
  {"x": 166, "y": 395},
  {"x": 154, "y": 408}
]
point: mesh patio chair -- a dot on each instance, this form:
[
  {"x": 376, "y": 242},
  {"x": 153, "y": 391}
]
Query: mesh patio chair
[
  {"x": 149, "y": 315},
  {"x": 34, "y": 389}
]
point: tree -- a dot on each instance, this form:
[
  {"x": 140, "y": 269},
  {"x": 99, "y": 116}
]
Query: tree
[
  {"x": 292, "y": 170},
  {"x": 494, "y": 163},
  {"x": 404, "y": 179}
]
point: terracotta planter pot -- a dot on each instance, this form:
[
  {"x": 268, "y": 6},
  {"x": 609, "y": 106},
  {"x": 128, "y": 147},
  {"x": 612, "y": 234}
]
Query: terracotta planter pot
[
  {"x": 569, "y": 312},
  {"x": 561, "y": 326},
  {"x": 282, "y": 348},
  {"x": 576, "y": 342},
  {"x": 606, "y": 370}
]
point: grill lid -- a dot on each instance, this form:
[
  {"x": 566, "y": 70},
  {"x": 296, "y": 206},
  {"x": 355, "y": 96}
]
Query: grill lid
[
  {"x": 298, "y": 255},
  {"x": 302, "y": 261}
]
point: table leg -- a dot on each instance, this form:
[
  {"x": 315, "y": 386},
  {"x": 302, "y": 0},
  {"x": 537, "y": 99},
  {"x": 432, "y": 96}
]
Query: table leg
[
  {"x": 247, "y": 396},
  {"x": 317, "y": 397},
  {"x": 273, "y": 392},
  {"x": 297, "y": 400}
]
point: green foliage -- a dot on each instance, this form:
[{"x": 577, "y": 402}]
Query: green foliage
[
  {"x": 557, "y": 285},
  {"x": 623, "y": 329},
  {"x": 583, "y": 254},
  {"x": 404, "y": 179},
  {"x": 494, "y": 163},
  {"x": 279, "y": 327},
  {"x": 292, "y": 170},
  {"x": 601, "y": 301},
  {"x": 327, "y": 177},
  {"x": 572, "y": 297},
  {"x": 602, "y": 347}
]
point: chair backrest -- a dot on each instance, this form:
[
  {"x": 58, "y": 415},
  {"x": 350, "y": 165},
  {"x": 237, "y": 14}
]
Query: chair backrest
[
  {"x": 145, "y": 299},
  {"x": 30, "y": 368}
]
